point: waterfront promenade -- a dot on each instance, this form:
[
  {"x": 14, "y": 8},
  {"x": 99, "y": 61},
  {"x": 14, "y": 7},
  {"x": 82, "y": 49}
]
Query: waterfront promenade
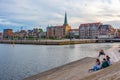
[
  {"x": 78, "y": 70},
  {"x": 49, "y": 42},
  {"x": 58, "y": 42}
]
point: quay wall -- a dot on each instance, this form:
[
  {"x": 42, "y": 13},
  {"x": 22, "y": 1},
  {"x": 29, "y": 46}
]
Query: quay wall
[
  {"x": 59, "y": 42},
  {"x": 47, "y": 42}
]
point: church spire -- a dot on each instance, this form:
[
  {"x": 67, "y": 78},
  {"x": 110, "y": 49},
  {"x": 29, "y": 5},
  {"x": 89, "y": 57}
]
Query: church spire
[{"x": 65, "y": 20}]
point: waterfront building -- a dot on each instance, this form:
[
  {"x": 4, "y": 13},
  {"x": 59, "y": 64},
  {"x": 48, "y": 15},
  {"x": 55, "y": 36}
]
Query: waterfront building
[
  {"x": 1, "y": 35},
  {"x": 7, "y": 33},
  {"x": 89, "y": 30},
  {"x": 66, "y": 25},
  {"x": 118, "y": 33},
  {"x": 35, "y": 33},
  {"x": 58, "y": 31},
  {"x": 20, "y": 34},
  {"x": 106, "y": 31},
  {"x": 50, "y": 32},
  {"x": 42, "y": 35},
  {"x": 23, "y": 34},
  {"x": 74, "y": 33},
  {"x": 30, "y": 32},
  {"x": 16, "y": 35}
]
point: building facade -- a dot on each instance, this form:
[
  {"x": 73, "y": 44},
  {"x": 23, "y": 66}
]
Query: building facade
[
  {"x": 58, "y": 31},
  {"x": 35, "y": 33},
  {"x": 74, "y": 33},
  {"x": 106, "y": 31},
  {"x": 1, "y": 36},
  {"x": 118, "y": 33},
  {"x": 42, "y": 35},
  {"x": 89, "y": 30},
  {"x": 50, "y": 32},
  {"x": 20, "y": 35},
  {"x": 7, "y": 33}
]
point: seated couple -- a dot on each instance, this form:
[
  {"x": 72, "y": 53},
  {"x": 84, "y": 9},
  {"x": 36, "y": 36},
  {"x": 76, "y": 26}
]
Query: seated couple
[{"x": 98, "y": 65}]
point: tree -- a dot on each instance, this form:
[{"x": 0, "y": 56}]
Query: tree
[
  {"x": 118, "y": 30},
  {"x": 40, "y": 30}
]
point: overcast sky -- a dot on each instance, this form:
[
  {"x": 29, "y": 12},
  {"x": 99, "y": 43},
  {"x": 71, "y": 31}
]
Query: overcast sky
[{"x": 35, "y": 13}]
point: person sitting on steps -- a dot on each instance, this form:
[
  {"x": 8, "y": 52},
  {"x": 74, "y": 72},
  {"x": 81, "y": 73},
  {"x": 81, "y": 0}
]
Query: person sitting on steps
[
  {"x": 97, "y": 66},
  {"x": 101, "y": 55},
  {"x": 104, "y": 63},
  {"x": 108, "y": 60}
]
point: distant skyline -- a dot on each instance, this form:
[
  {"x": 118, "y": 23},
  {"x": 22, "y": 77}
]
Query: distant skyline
[{"x": 30, "y": 14}]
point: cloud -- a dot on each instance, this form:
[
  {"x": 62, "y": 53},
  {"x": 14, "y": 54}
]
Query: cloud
[
  {"x": 6, "y": 22},
  {"x": 42, "y": 12},
  {"x": 115, "y": 23}
]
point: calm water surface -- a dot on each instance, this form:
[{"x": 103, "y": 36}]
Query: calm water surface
[{"x": 22, "y": 61}]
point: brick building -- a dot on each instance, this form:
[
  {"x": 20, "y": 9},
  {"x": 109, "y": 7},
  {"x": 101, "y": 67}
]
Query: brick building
[
  {"x": 58, "y": 31},
  {"x": 7, "y": 33}
]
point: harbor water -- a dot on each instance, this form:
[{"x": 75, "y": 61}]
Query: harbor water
[{"x": 20, "y": 61}]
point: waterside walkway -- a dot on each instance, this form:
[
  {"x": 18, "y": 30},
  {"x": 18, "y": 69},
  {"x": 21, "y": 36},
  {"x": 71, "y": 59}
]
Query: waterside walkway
[
  {"x": 48, "y": 42},
  {"x": 58, "y": 42}
]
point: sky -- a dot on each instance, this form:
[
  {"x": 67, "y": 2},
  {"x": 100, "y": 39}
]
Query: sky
[{"x": 28, "y": 14}]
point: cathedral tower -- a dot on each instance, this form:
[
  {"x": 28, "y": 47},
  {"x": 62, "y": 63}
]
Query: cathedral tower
[{"x": 65, "y": 20}]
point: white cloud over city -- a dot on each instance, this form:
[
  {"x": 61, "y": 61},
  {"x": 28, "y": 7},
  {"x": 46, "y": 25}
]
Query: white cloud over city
[{"x": 31, "y": 13}]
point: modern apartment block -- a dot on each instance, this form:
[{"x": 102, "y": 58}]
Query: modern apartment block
[
  {"x": 106, "y": 31},
  {"x": 89, "y": 30}
]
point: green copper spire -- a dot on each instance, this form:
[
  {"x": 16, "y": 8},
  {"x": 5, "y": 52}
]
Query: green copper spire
[{"x": 65, "y": 20}]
